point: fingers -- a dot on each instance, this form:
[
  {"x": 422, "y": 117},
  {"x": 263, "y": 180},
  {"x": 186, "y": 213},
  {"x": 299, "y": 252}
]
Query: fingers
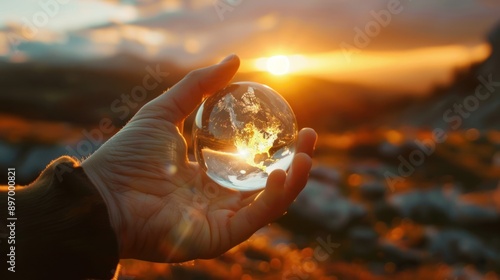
[
  {"x": 306, "y": 141},
  {"x": 179, "y": 101},
  {"x": 281, "y": 190}
]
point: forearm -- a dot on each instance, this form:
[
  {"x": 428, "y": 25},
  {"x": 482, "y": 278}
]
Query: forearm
[{"x": 61, "y": 228}]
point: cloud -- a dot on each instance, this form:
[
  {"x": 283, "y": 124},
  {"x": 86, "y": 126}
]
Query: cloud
[
  {"x": 193, "y": 32},
  {"x": 319, "y": 26}
]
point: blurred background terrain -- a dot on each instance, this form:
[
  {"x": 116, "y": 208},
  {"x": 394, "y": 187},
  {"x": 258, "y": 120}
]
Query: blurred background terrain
[{"x": 404, "y": 95}]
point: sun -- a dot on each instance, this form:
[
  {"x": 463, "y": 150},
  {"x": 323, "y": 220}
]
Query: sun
[{"x": 278, "y": 65}]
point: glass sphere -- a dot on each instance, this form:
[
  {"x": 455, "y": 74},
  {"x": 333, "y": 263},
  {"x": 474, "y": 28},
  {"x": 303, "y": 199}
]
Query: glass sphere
[{"x": 242, "y": 133}]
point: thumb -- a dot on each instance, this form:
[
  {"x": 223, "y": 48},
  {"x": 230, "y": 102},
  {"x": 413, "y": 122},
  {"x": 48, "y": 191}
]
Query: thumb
[{"x": 179, "y": 101}]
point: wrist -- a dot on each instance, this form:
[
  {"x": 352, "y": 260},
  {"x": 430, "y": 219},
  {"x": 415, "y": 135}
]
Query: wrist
[{"x": 96, "y": 177}]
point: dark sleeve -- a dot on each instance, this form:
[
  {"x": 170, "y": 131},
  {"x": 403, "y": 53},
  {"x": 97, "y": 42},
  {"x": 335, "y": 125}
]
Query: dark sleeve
[{"x": 59, "y": 229}]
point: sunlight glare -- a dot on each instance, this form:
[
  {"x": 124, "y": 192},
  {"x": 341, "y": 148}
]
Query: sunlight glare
[
  {"x": 422, "y": 69},
  {"x": 281, "y": 64},
  {"x": 278, "y": 65}
]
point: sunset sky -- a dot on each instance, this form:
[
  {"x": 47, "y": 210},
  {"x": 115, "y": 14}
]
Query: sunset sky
[{"x": 410, "y": 45}]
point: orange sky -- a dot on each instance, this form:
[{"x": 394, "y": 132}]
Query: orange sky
[
  {"x": 416, "y": 48},
  {"x": 414, "y": 71}
]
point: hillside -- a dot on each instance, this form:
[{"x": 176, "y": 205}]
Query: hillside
[
  {"x": 471, "y": 101},
  {"x": 85, "y": 93}
]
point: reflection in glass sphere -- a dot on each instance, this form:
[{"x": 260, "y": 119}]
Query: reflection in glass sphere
[{"x": 242, "y": 133}]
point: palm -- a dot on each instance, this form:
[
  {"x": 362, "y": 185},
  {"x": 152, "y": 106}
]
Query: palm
[
  {"x": 163, "y": 207},
  {"x": 188, "y": 211}
]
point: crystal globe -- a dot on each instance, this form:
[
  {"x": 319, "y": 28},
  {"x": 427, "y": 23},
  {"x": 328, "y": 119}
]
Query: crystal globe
[{"x": 242, "y": 133}]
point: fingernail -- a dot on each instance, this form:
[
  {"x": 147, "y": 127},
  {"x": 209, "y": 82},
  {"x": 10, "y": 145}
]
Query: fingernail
[{"x": 228, "y": 58}]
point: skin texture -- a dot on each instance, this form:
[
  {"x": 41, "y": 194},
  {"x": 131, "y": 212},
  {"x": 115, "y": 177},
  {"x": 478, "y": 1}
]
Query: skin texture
[{"x": 163, "y": 208}]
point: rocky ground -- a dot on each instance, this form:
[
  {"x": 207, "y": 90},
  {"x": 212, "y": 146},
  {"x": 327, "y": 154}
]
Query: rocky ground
[{"x": 435, "y": 220}]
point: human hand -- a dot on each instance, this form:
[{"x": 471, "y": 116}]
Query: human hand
[{"x": 157, "y": 200}]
